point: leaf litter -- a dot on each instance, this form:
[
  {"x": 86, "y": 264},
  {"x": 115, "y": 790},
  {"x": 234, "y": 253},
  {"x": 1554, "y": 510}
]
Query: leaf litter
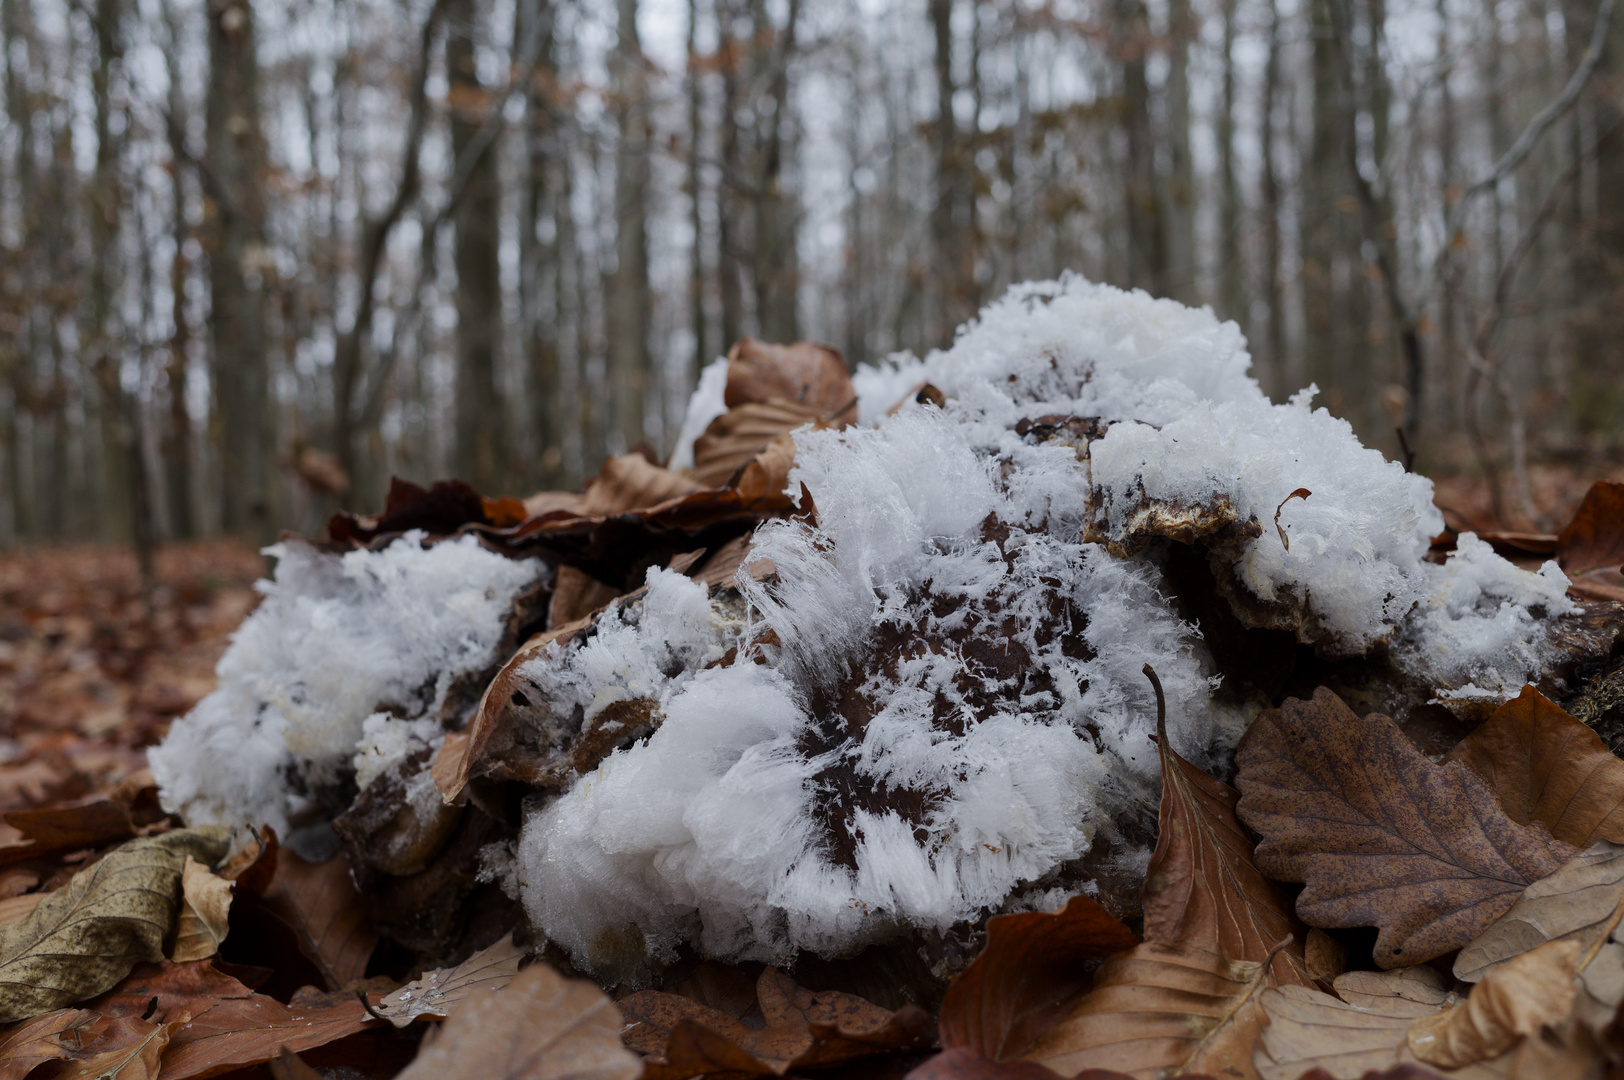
[{"x": 1495, "y": 855}]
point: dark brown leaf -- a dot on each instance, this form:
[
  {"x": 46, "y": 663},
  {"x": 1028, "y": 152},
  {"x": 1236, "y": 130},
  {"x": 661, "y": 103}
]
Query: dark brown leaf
[
  {"x": 1028, "y": 977},
  {"x": 1595, "y": 536},
  {"x": 963, "y": 1063},
  {"x": 321, "y": 902},
  {"x": 65, "y": 828},
  {"x": 802, "y": 1029},
  {"x": 1380, "y": 835},
  {"x": 1545, "y": 766},
  {"x": 1202, "y": 887},
  {"x": 244, "y": 1031},
  {"x": 735, "y": 438},
  {"x": 67, "y": 1035}
]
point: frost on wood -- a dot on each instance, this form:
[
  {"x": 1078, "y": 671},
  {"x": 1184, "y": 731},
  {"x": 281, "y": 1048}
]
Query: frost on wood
[
  {"x": 936, "y": 700},
  {"x": 347, "y": 665}
]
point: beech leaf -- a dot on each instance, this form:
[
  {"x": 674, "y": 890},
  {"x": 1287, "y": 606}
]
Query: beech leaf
[
  {"x": 138, "y": 1061},
  {"x": 1512, "y": 1002},
  {"x": 1159, "y": 1010},
  {"x": 1579, "y": 902},
  {"x": 1310, "y": 1030},
  {"x": 1545, "y": 766},
  {"x": 1027, "y": 977},
  {"x": 803, "y": 1029},
  {"x": 321, "y": 902},
  {"x": 1202, "y": 886},
  {"x": 540, "y": 1026},
  {"x": 66, "y": 1035},
  {"x": 1595, "y": 536},
  {"x": 204, "y": 911},
  {"x": 807, "y": 374},
  {"x": 437, "y": 992},
  {"x": 964, "y": 1063},
  {"x": 248, "y": 1030},
  {"x": 1379, "y": 834},
  {"x": 86, "y": 936}
]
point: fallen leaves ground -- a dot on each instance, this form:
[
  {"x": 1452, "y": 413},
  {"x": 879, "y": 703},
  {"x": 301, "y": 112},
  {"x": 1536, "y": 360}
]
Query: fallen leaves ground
[{"x": 1351, "y": 905}]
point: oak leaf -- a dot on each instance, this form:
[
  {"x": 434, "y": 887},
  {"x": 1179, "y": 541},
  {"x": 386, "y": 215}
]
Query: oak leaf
[
  {"x": 802, "y": 1029},
  {"x": 1159, "y": 1010},
  {"x": 540, "y": 1026},
  {"x": 1028, "y": 976},
  {"x": 204, "y": 913},
  {"x": 437, "y": 992},
  {"x": 86, "y": 936},
  {"x": 1379, "y": 834},
  {"x": 1512, "y": 1002},
  {"x": 1595, "y": 536},
  {"x": 1579, "y": 902},
  {"x": 1201, "y": 885},
  {"x": 1545, "y": 766}
]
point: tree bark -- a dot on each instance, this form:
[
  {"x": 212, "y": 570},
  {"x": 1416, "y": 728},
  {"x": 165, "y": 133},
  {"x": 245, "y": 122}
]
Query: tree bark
[
  {"x": 236, "y": 164},
  {"x": 481, "y": 423},
  {"x": 629, "y": 300}
]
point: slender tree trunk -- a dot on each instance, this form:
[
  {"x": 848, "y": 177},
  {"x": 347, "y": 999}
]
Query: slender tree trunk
[
  {"x": 1272, "y": 247},
  {"x": 15, "y": 23},
  {"x": 629, "y": 299},
  {"x": 177, "y": 452},
  {"x": 1324, "y": 189},
  {"x": 776, "y": 264},
  {"x": 1178, "y": 200},
  {"x": 481, "y": 422},
  {"x": 1230, "y": 272},
  {"x": 696, "y": 217},
  {"x": 539, "y": 252},
  {"x": 236, "y": 163},
  {"x": 951, "y": 240},
  {"x": 1147, "y": 249}
]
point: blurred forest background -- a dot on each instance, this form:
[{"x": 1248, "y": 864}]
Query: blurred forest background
[{"x": 261, "y": 254}]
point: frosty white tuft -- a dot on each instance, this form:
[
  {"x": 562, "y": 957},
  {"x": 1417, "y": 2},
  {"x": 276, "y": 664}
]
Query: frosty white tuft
[
  {"x": 936, "y": 701},
  {"x": 343, "y": 651}
]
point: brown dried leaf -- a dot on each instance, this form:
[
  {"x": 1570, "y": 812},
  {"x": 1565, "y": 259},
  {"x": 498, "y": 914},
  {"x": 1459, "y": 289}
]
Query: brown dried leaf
[
  {"x": 321, "y": 902},
  {"x": 438, "y": 991},
  {"x": 138, "y": 1061},
  {"x": 86, "y": 936},
  {"x": 1512, "y": 1002},
  {"x": 204, "y": 910},
  {"x": 245, "y": 1031},
  {"x": 1579, "y": 902},
  {"x": 52, "y": 829},
  {"x": 1409, "y": 992},
  {"x": 540, "y": 1026},
  {"x": 1545, "y": 766},
  {"x": 803, "y": 1030},
  {"x": 66, "y": 1035},
  {"x": 1028, "y": 976},
  {"x": 1380, "y": 835},
  {"x": 963, "y": 1063},
  {"x": 1202, "y": 887},
  {"x": 764, "y": 479},
  {"x": 1595, "y": 536},
  {"x": 169, "y": 989},
  {"x": 734, "y": 439},
  {"x": 1159, "y": 1010},
  {"x": 287, "y": 1065},
  {"x": 810, "y": 375},
  {"x": 1324, "y": 956},
  {"x": 1308, "y": 1030}
]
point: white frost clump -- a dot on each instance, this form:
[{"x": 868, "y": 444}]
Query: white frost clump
[
  {"x": 710, "y": 830},
  {"x": 937, "y": 699},
  {"x": 1477, "y": 635},
  {"x": 336, "y": 640}
]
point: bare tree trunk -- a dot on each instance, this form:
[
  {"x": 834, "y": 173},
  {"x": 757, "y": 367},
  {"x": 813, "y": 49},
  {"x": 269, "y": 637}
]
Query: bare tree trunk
[
  {"x": 1178, "y": 200},
  {"x": 539, "y": 252},
  {"x": 628, "y": 306},
  {"x": 481, "y": 421},
  {"x": 1232, "y": 284},
  {"x": 1324, "y": 187},
  {"x": 1147, "y": 248},
  {"x": 696, "y": 218},
  {"x": 776, "y": 263},
  {"x": 177, "y": 439},
  {"x": 15, "y": 26},
  {"x": 236, "y": 165},
  {"x": 1449, "y": 175},
  {"x": 952, "y": 239}
]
